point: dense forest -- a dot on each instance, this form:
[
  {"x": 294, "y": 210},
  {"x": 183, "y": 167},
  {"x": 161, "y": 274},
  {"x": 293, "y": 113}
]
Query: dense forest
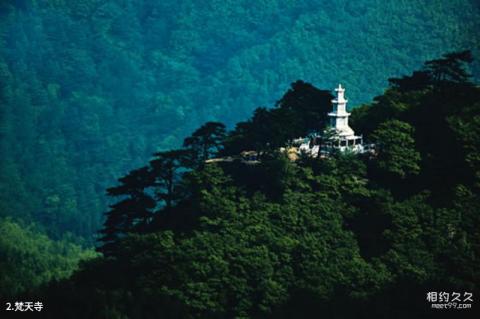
[
  {"x": 89, "y": 89},
  {"x": 345, "y": 236},
  {"x": 116, "y": 117}
]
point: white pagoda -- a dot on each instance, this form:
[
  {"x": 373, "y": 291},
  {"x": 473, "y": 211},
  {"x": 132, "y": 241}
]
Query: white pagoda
[
  {"x": 339, "y": 136},
  {"x": 343, "y": 136}
]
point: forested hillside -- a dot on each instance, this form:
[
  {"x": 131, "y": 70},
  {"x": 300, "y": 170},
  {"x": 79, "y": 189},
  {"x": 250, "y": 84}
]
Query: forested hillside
[
  {"x": 30, "y": 259},
  {"x": 89, "y": 89},
  {"x": 190, "y": 235}
]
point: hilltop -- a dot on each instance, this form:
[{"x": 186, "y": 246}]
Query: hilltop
[{"x": 345, "y": 236}]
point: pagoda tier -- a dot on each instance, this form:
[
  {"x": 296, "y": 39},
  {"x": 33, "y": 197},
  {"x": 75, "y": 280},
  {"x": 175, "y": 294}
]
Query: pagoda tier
[{"x": 339, "y": 115}]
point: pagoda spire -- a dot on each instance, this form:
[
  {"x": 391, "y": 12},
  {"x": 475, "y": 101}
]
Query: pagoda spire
[
  {"x": 339, "y": 115},
  {"x": 340, "y": 103}
]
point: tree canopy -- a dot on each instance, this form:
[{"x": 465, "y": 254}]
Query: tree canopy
[
  {"x": 89, "y": 89},
  {"x": 344, "y": 236}
]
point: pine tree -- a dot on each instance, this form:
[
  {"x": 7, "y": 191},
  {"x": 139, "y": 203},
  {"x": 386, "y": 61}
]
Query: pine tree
[
  {"x": 133, "y": 212},
  {"x": 206, "y": 141},
  {"x": 167, "y": 169}
]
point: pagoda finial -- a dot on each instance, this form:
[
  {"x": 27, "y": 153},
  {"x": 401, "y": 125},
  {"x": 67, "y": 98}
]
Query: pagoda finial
[{"x": 340, "y": 95}]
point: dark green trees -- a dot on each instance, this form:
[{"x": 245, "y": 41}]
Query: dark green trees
[
  {"x": 395, "y": 144},
  {"x": 450, "y": 68},
  {"x": 91, "y": 88},
  {"x": 301, "y": 111},
  {"x": 447, "y": 70},
  {"x": 166, "y": 170},
  {"x": 345, "y": 236},
  {"x": 309, "y": 107},
  {"x": 148, "y": 194},
  {"x": 132, "y": 212},
  {"x": 247, "y": 256},
  {"x": 29, "y": 258},
  {"x": 206, "y": 141}
]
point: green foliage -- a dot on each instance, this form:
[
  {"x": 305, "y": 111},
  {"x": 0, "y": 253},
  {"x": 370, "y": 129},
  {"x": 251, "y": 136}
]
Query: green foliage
[
  {"x": 207, "y": 141},
  {"x": 245, "y": 257},
  {"x": 446, "y": 70},
  {"x": 396, "y": 148},
  {"x": 301, "y": 111},
  {"x": 28, "y": 258},
  {"x": 451, "y": 68},
  {"x": 89, "y": 89},
  {"x": 309, "y": 106},
  {"x": 133, "y": 211},
  {"x": 166, "y": 170},
  {"x": 284, "y": 239},
  {"x": 466, "y": 128}
]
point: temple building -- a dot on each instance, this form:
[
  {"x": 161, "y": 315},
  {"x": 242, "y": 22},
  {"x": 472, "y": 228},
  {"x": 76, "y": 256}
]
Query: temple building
[{"x": 338, "y": 136}]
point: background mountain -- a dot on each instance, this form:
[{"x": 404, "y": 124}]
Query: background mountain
[{"x": 89, "y": 89}]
